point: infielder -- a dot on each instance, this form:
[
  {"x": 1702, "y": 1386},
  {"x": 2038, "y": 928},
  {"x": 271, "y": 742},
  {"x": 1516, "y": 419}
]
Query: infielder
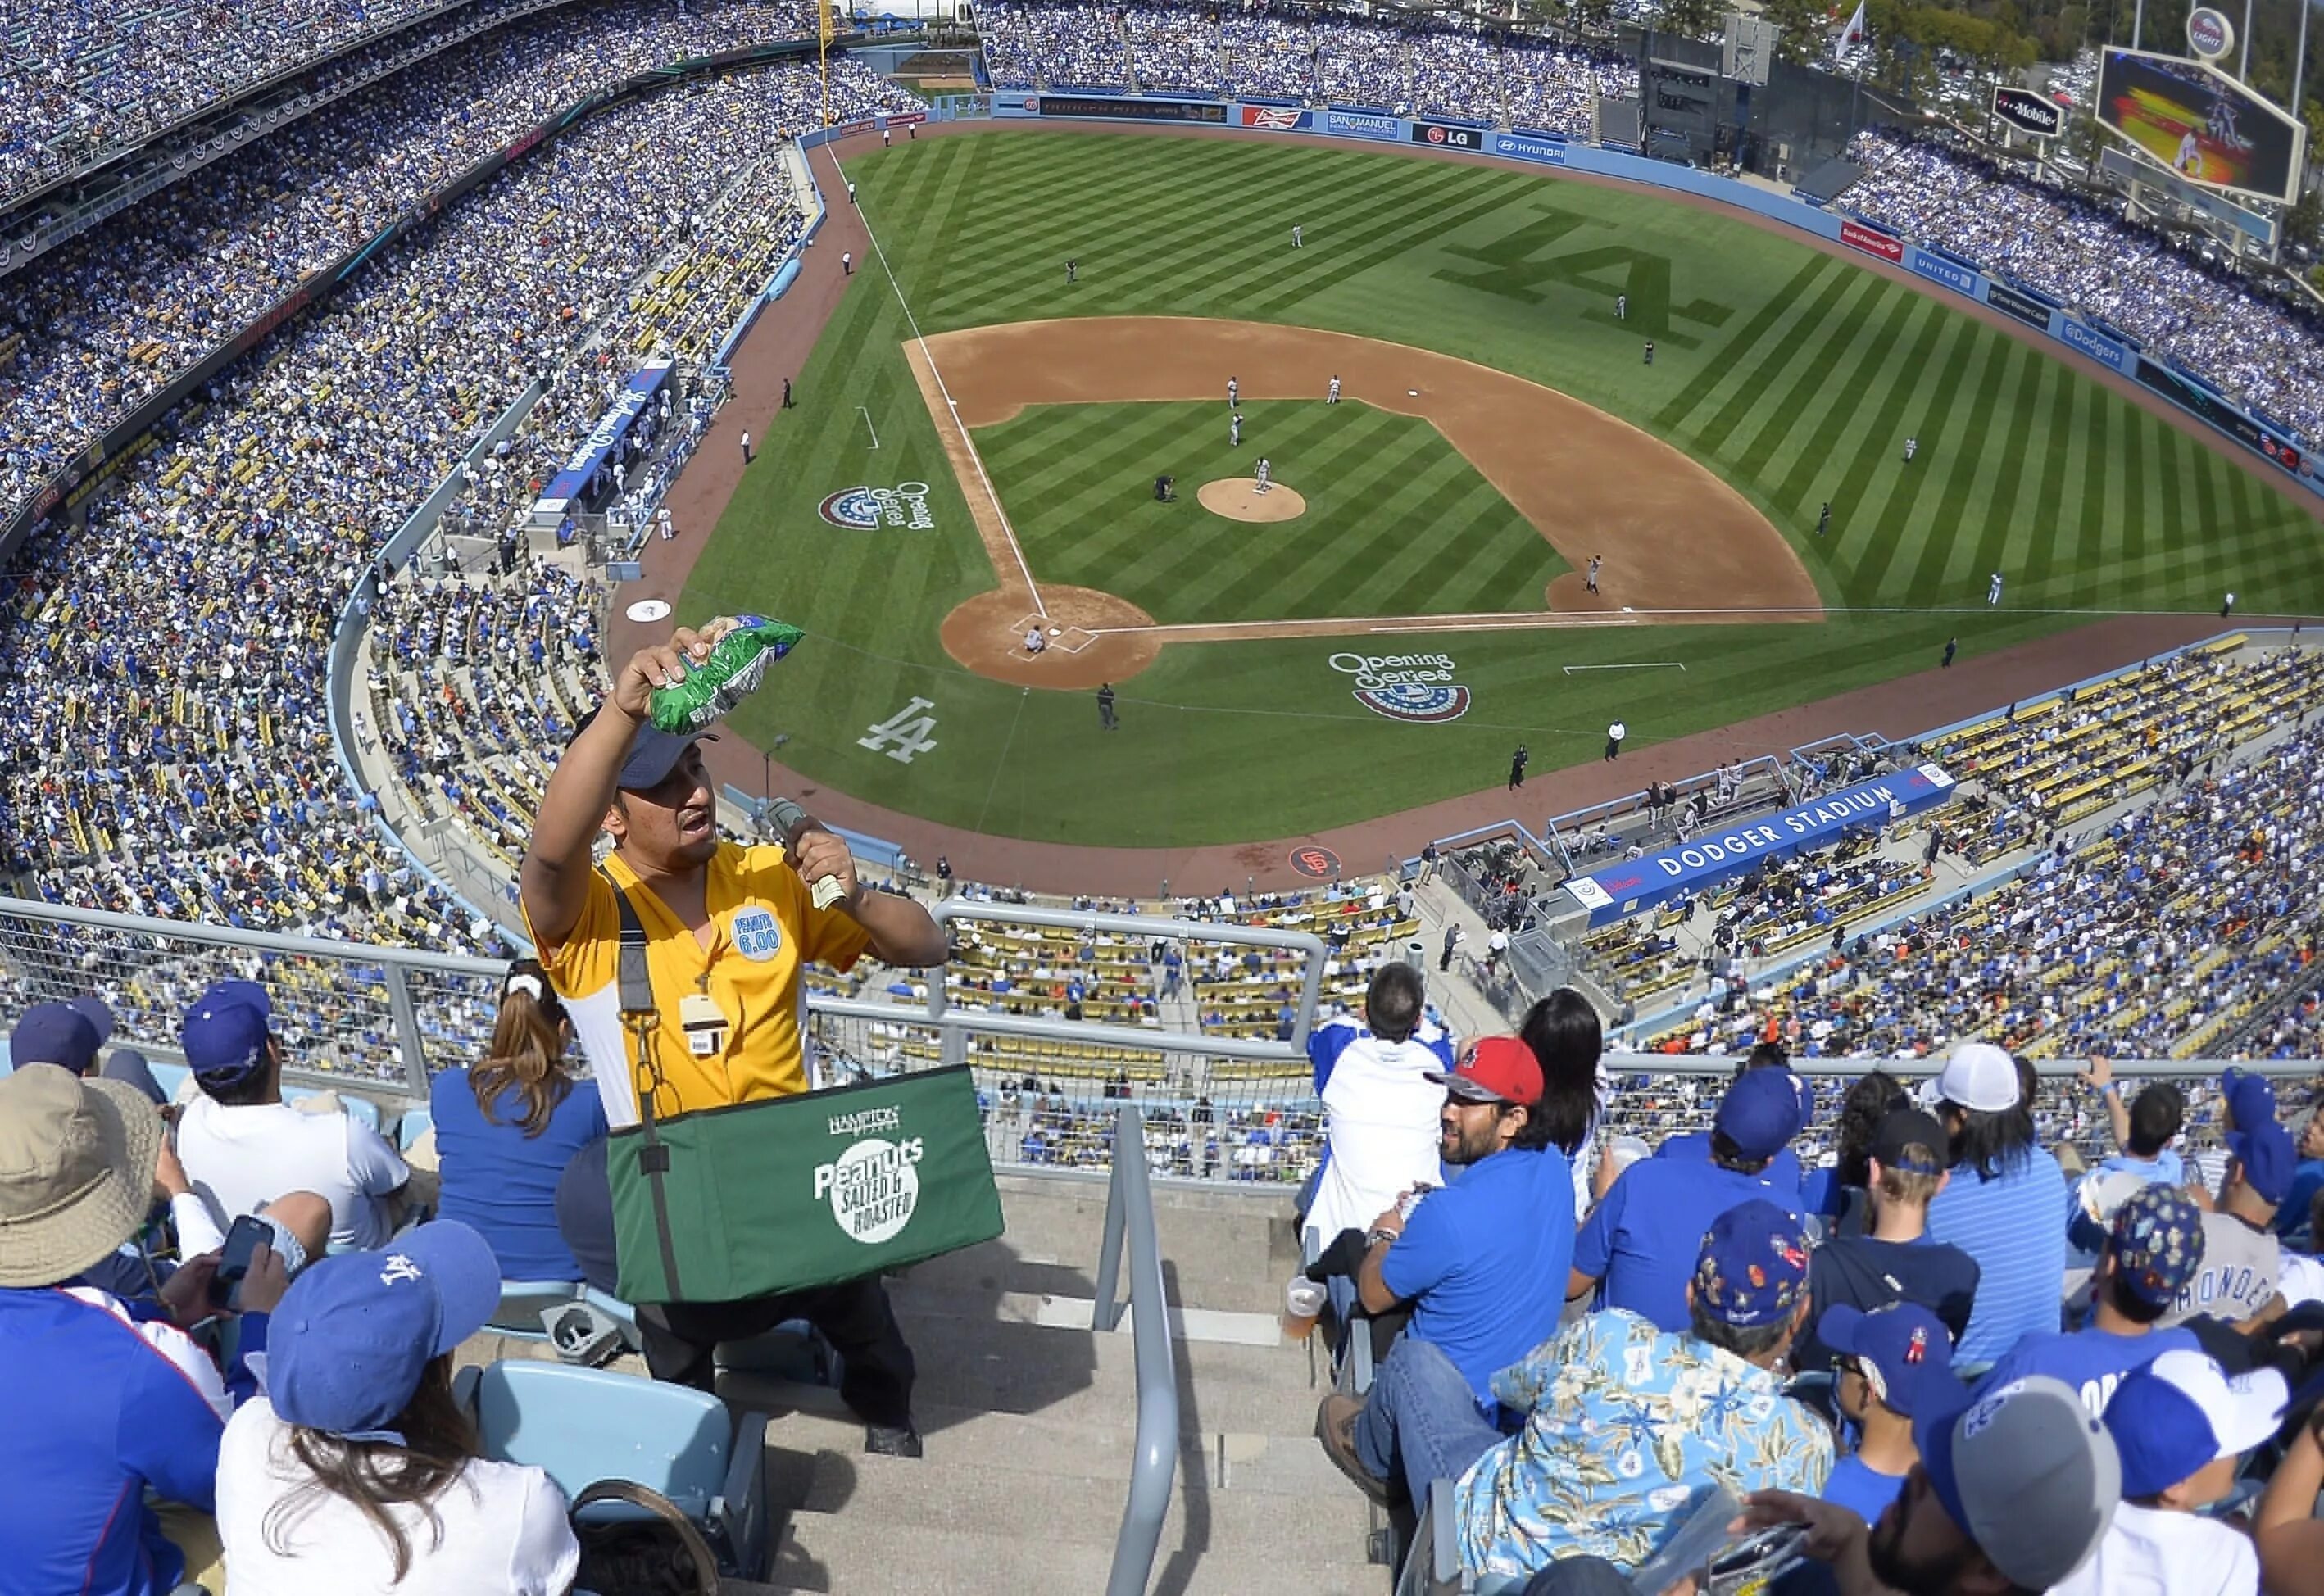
[
  {"x": 1234, "y": 388},
  {"x": 1993, "y": 591},
  {"x": 1264, "y": 473},
  {"x": 1332, "y": 396},
  {"x": 1590, "y": 577},
  {"x": 1234, "y": 429},
  {"x": 1295, "y": 243}
]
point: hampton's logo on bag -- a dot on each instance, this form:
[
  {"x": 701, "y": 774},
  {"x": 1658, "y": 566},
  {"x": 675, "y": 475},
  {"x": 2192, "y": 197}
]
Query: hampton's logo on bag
[
  {"x": 1415, "y": 688},
  {"x": 867, "y": 509},
  {"x": 875, "y": 1184}
]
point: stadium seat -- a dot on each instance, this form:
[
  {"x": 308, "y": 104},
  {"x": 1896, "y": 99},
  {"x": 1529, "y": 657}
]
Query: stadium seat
[
  {"x": 416, "y": 1123},
  {"x": 582, "y": 1426}
]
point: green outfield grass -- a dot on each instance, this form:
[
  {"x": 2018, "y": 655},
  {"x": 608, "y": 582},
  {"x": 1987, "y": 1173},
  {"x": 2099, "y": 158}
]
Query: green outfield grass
[
  {"x": 1795, "y": 375},
  {"x": 1077, "y": 480}
]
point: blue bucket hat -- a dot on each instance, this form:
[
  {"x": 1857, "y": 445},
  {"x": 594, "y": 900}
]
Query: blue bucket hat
[{"x": 350, "y": 1340}]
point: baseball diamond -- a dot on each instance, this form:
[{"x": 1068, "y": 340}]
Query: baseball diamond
[{"x": 1499, "y": 432}]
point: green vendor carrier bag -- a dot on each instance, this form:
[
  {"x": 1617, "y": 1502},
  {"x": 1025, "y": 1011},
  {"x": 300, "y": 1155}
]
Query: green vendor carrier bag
[{"x": 755, "y": 1199}]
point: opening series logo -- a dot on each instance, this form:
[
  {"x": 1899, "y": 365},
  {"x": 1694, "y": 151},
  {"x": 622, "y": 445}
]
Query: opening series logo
[
  {"x": 867, "y": 509},
  {"x": 1415, "y": 688},
  {"x": 874, "y": 1186}
]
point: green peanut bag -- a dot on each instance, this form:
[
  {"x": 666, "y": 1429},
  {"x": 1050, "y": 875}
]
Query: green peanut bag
[{"x": 737, "y": 663}]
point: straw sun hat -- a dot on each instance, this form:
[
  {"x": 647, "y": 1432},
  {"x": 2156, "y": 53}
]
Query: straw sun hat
[{"x": 75, "y": 1171}]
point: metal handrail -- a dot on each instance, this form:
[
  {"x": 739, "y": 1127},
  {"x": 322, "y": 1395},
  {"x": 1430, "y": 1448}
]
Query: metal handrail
[{"x": 1154, "y": 1464}]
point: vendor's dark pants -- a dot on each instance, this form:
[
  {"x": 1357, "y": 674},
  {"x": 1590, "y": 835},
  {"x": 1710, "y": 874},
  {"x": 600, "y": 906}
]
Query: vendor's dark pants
[{"x": 854, "y": 1317}]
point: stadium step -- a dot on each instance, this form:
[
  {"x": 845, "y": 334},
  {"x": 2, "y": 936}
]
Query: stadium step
[{"x": 860, "y": 1555}]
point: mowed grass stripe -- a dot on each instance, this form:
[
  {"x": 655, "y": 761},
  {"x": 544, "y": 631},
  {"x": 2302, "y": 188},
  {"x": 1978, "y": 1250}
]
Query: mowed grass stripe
[
  {"x": 1826, "y": 428},
  {"x": 2041, "y": 526},
  {"x": 1730, "y": 355},
  {"x": 1872, "y": 467},
  {"x": 1324, "y": 576},
  {"x": 1942, "y": 531},
  {"x": 1800, "y": 424},
  {"x": 1807, "y": 343},
  {"x": 2089, "y": 544},
  {"x": 1901, "y": 526}
]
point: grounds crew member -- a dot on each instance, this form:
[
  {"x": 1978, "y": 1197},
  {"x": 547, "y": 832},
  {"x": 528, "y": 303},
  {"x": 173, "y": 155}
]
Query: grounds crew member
[{"x": 729, "y": 931}]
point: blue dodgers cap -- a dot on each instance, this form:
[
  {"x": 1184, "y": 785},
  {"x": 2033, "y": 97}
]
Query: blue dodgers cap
[
  {"x": 1760, "y": 1112},
  {"x": 2180, "y": 1414},
  {"x": 2157, "y": 1243},
  {"x": 1906, "y": 1356},
  {"x": 350, "y": 1340},
  {"x": 2266, "y": 1154},
  {"x": 2250, "y": 1098},
  {"x": 653, "y": 753},
  {"x": 54, "y": 1033},
  {"x": 225, "y": 1033},
  {"x": 2026, "y": 1472},
  {"x": 1753, "y": 1268}
]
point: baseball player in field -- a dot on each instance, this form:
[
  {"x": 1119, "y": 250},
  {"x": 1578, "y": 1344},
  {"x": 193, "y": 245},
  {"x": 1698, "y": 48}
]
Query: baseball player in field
[
  {"x": 1332, "y": 396},
  {"x": 1295, "y": 241},
  {"x": 661, "y": 519},
  {"x": 1233, "y": 389},
  {"x": 1073, "y": 272},
  {"x": 1912, "y": 448},
  {"x": 1993, "y": 589},
  {"x": 1265, "y": 473},
  {"x": 1621, "y": 307},
  {"x": 1590, "y": 577},
  {"x": 1650, "y": 352},
  {"x": 1823, "y": 518},
  {"x": 1234, "y": 429},
  {"x": 1035, "y": 642}
]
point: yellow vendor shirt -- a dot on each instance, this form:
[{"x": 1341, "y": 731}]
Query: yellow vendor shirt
[{"x": 765, "y": 930}]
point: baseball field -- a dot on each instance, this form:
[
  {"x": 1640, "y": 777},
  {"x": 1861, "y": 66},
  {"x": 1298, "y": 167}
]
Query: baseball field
[{"x": 975, "y": 446}]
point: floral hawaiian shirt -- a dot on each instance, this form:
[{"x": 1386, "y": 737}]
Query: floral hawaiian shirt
[{"x": 1627, "y": 1427}]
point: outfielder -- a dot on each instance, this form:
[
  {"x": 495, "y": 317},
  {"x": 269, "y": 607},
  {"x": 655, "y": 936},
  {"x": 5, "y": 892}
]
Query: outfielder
[
  {"x": 1073, "y": 271},
  {"x": 1333, "y": 396},
  {"x": 1650, "y": 352},
  {"x": 1823, "y": 518},
  {"x": 1234, "y": 429},
  {"x": 1621, "y": 307},
  {"x": 1295, "y": 243},
  {"x": 1912, "y": 448},
  {"x": 1264, "y": 473},
  {"x": 1993, "y": 592}
]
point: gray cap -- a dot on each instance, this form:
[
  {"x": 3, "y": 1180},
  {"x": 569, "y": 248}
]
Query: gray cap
[{"x": 2027, "y": 1473}]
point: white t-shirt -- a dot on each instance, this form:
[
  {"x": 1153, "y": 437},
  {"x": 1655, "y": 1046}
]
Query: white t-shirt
[
  {"x": 2302, "y": 1280},
  {"x": 237, "y": 1158},
  {"x": 501, "y": 1528},
  {"x": 2154, "y": 1552},
  {"x": 1380, "y": 1119}
]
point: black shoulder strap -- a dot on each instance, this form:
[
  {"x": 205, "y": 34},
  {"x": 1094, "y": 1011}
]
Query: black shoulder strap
[{"x": 642, "y": 1018}]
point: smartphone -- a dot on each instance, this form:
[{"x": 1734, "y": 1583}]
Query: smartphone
[
  {"x": 1748, "y": 1566},
  {"x": 247, "y": 1236}
]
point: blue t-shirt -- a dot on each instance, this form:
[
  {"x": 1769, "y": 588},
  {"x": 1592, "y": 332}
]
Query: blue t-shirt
[
  {"x": 503, "y": 1182},
  {"x": 2092, "y": 1362},
  {"x": 1484, "y": 1261},
  {"x": 1784, "y": 1169},
  {"x": 1822, "y": 1193},
  {"x": 2292, "y": 1214},
  {"x": 1860, "y": 1489},
  {"x": 1642, "y": 1243},
  {"x": 2021, "y": 1259}
]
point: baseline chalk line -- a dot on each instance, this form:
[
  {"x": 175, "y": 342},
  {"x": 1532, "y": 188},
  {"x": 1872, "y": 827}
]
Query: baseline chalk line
[
  {"x": 874, "y": 431},
  {"x": 1630, "y": 665}
]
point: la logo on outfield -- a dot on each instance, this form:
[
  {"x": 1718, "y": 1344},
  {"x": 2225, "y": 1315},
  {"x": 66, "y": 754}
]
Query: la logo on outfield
[{"x": 904, "y": 736}]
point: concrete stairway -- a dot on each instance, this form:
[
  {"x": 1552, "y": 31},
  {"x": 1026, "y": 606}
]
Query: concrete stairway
[{"x": 1030, "y": 1417}]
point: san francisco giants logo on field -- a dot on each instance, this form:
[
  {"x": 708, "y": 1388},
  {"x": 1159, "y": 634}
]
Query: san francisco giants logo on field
[
  {"x": 867, "y": 509},
  {"x": 1417, "y": 688}
]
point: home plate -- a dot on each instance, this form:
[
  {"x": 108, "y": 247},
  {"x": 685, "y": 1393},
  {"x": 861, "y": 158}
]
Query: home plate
[
  {"x": 1412, "y": 392},
  {"x": 649, "y": 609},
  {"x": 1627, "y": 611}
]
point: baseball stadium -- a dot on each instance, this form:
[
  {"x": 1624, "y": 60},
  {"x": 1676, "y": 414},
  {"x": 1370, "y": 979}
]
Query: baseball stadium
[{"x": 1158, "y": 798}]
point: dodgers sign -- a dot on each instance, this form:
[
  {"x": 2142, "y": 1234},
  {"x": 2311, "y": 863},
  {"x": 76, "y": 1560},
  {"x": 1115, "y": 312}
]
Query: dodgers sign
[
  {"x": 592, "y": 451},
  {"x": 2104, "y": 350},
  {"x": 1627, "y": 888}
]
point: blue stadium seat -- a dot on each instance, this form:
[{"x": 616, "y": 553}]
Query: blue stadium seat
[
  {"x": 415, "y": 1123},
  {"x": 583, "y": 1425}
]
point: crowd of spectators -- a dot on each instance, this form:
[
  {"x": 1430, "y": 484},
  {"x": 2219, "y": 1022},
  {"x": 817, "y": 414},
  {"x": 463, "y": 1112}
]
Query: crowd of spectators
[
  {"x": 113, "y": 316},
  {"x": 1304, "y": 57},
  {"x": 2261, "y": 350},
  {"x": 169, "y": 749}
]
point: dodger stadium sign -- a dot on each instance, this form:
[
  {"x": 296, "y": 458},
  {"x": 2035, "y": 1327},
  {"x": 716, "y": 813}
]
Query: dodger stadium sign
[{"x": 1415, "y": 689}]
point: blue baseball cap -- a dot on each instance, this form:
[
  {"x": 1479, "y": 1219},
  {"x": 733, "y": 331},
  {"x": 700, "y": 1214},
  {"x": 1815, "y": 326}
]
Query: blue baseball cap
[
  {"x": 348, "y": 1343},
  {"x": 654, "y": 753},
  {"x": 2157, "y": 1243},
  {"x": 2267, "y": 1155},
  {"x": 1753, "y": 1268},
  {"x": 54, "y": 1033},
  {"x": 2250, "y": 1098},
  {"x": 1907, "y": 1357},
  {"x": 225, "y": 1033},
  {"x": 1760, "y": 1112},
  {"x": 2181, "y": 1413},
  {"x": 2025, "y": 1471}
]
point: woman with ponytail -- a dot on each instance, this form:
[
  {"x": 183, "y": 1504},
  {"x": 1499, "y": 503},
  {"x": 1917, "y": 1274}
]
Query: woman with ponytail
[{"x": 507, "y": 1126}]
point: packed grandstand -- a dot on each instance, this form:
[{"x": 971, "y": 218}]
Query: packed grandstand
[{"x": 2126, "y": 869}]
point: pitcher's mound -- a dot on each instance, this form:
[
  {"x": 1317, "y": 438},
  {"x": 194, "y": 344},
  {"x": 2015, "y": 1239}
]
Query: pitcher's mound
[{"x": 1237, "y": 498}]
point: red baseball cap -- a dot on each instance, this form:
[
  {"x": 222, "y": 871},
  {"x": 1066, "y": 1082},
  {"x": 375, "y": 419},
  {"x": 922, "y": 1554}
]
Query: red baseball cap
[{"x": 1495, "y": 1069}]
